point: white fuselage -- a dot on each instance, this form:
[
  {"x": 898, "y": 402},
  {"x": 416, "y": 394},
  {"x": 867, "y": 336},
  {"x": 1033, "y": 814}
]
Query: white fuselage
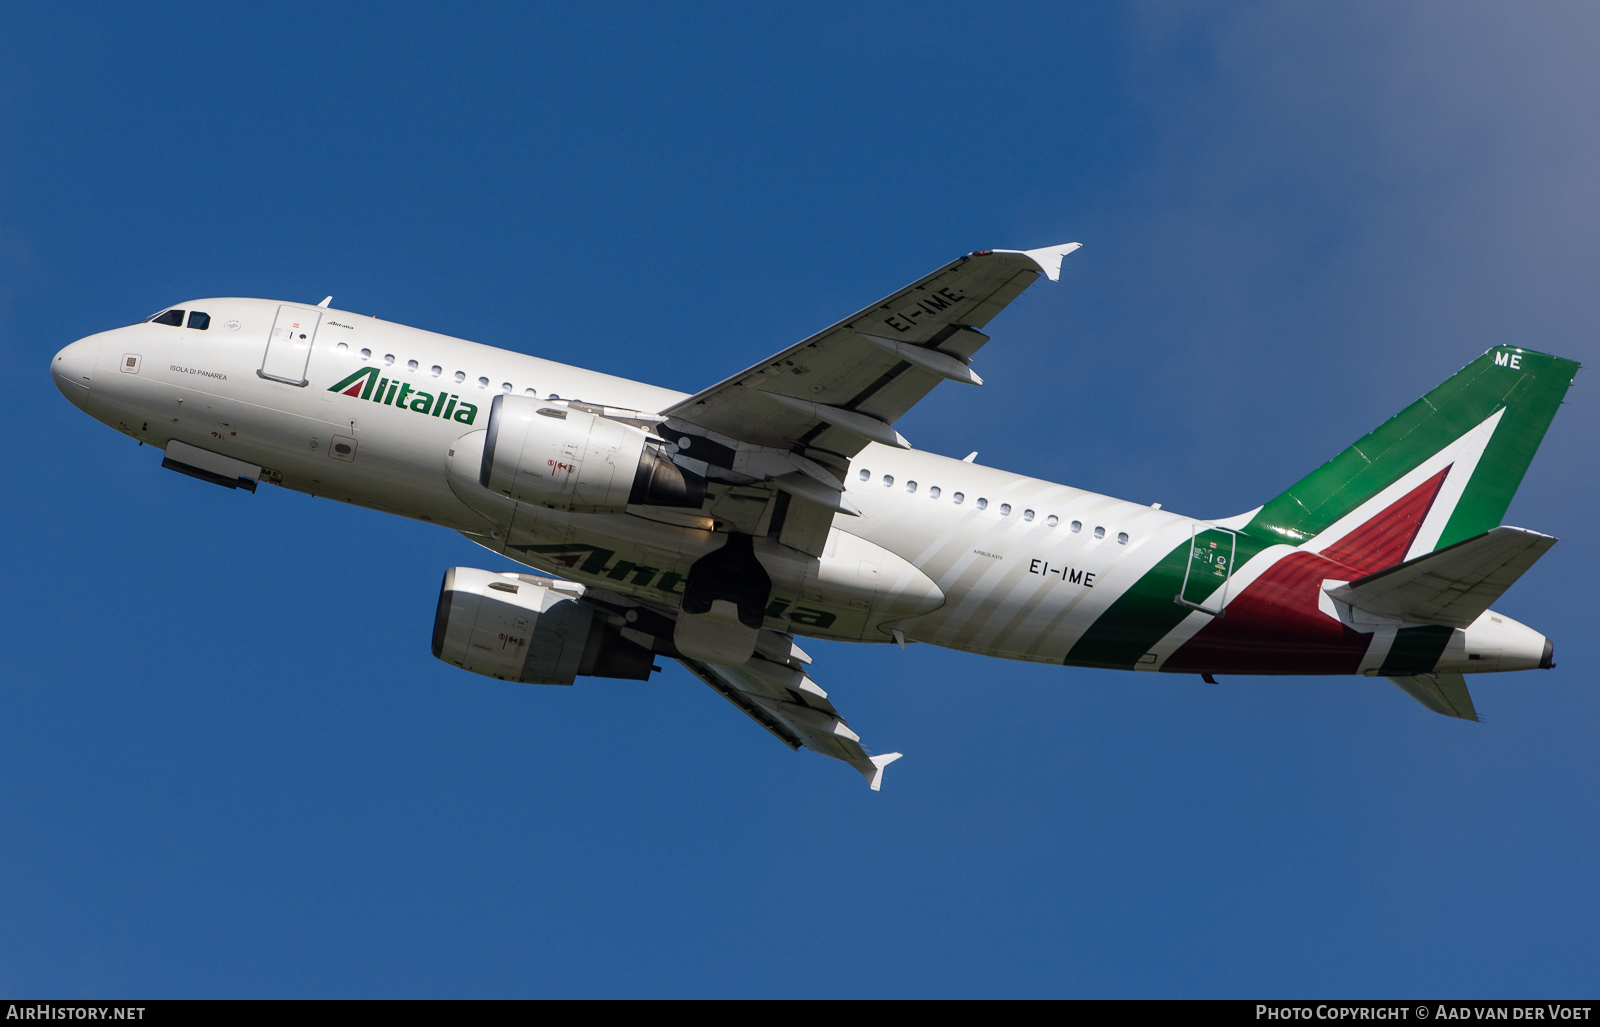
[{"x": 945, "y": 552}]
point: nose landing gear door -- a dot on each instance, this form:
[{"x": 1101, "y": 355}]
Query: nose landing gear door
[
  {"x": 289, "y": 347},
  {"x": 1206, "y": 573}
]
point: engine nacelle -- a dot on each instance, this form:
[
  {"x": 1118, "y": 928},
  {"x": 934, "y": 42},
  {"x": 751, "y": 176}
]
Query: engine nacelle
[
  {"x": 550, "y": 455},
  {"x": 523, "y": 628}
]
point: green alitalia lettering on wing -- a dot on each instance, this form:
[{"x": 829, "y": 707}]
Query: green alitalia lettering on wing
[
  {"x": 1528, "y": 384},
  {"x": 1140, "y": 617}
]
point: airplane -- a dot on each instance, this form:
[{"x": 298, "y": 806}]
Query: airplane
[{"x": 718, "y": 528}]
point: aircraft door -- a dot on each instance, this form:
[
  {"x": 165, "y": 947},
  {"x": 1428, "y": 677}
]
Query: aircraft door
[
  {"x": 1206, "y": 573},
  {"x": 294, "y": 331}
]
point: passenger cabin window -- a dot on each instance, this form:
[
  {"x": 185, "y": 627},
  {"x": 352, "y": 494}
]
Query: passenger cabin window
[
  {"x": 1052, "y": 520},
  {"x": 529, "y": 392},
  {"x": 1099, "y": 532},
  {"x": 483, "y": 383},
  {"x": 388, "y": 360},
  {"x": 436, "y": 370},
  {"x": 461, "y": 376},
  {"x": 1027, "y": 515},
  {"x": 959, "y": 497},
  {"x": 1077, "y": 525},
  {"x": 866, "y": 475},
  {"x": 911, "y": 486},
  {"x": 1005, "y": 509},
  {"x": 888, "y": 479},
  {"x": 983, "y": 504},
  {"x": 411, "y": 365},
  {"x": 342, "y": 347},
  {"x": 933, "y": 492},
  {"x": 172, "y": 318},
  {"x": 199, "y": 319},
  {"x": 366, "y": 354},
  {"x": 505, "y": 386},
  {"x": 1122, "y": 538}
]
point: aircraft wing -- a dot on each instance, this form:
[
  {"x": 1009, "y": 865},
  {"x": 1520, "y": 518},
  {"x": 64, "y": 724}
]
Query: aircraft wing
[
  {"x": 779, "y": 695},
  {"x": 846, "y": 385}
]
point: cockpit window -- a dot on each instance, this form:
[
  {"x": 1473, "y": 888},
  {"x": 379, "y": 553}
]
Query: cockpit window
[
  {"x": 199, "y": 320},
  {"x": 171, "y": 317}
]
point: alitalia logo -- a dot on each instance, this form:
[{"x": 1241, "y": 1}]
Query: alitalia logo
[{"x": 365, "y": 384}]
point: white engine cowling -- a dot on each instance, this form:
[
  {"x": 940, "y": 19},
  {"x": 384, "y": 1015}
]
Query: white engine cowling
[
  {"x": 550, "y": 455},
  {"x": 517, "y": 627}
]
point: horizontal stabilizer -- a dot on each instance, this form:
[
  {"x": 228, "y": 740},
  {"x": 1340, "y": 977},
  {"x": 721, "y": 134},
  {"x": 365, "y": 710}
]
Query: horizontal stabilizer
[
  {"x": 1441, "y": 693},
  {"x": 1450, "y": 586}
]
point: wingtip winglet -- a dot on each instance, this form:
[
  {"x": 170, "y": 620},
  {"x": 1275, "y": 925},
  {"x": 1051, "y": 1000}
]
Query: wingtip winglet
[
  {"x": 875, "y": 775},
  {"x": 1049, "y": 258}
]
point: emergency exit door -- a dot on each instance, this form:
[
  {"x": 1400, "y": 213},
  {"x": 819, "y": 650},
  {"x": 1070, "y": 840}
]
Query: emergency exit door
[
  {"x": 289, "y": 346},
  {"x": 1206, "y": 573}
]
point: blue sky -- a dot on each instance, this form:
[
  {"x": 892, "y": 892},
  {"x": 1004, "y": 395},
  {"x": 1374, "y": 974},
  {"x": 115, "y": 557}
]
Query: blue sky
[{"x": 232, "y": 767}]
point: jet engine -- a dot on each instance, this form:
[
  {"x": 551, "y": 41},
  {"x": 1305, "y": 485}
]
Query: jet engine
[
  {"x": 523, "y": 628},
  {"x": 551, "y": 455}
]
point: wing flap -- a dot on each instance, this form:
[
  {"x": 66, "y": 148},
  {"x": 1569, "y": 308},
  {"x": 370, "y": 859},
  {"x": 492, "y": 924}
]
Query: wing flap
[{"x": 1453, "y": 585}]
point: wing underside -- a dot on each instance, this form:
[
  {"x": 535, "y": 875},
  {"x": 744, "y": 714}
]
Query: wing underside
[
  {"x": 773, "y": 687},
  {"x": 786, "y": 702}
]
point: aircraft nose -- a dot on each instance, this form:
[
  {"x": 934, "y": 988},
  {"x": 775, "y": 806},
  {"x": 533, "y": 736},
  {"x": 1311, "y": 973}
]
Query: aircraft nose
[{"x": 73, "y": 368}]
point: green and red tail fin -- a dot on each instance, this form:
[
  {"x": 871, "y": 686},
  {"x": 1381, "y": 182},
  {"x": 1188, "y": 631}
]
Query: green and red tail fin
[
  {"x": 1456, "y": 455},
  {"x": 1442, "y": 470}
]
